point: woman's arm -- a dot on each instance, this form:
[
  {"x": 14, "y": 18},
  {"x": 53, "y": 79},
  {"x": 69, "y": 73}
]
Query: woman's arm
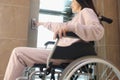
[{"x": 92, "y": 29}]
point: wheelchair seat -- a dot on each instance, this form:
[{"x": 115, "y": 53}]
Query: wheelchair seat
[{"x": 75, "y": 50}]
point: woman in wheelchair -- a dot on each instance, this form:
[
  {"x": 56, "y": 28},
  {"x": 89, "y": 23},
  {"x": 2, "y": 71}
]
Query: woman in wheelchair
[{"x": 85, "y": 24}]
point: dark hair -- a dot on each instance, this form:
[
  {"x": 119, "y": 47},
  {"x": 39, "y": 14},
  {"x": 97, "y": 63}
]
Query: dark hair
[{"x": 87, "y": 4}]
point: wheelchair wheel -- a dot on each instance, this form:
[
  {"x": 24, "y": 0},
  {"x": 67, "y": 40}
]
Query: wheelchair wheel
[{"x": 90, "y": 68}]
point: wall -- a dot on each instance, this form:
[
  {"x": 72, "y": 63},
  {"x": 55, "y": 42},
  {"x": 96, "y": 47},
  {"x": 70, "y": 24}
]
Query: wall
[
  {"x": 119, "y": 12},
  {"x": 109, "y": 46},
  {"x": 14, "y": 15}
]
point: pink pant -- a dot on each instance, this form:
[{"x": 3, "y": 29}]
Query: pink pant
[{"x": 22, "y": 57}]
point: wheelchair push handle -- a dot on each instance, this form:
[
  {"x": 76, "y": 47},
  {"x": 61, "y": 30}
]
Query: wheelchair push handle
[{"x": 105, "y": 19}]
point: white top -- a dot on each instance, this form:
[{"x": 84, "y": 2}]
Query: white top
[{"x": 85, "y": 24}]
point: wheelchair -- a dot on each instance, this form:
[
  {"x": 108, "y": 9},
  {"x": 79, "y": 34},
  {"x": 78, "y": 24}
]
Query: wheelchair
[{"x": 83, "y": 68}]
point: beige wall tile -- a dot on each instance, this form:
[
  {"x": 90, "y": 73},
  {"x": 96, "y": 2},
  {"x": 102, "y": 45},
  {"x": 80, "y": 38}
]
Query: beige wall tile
[
  {"x": 14, "y": 17},
  {"x": 6, "y": 47},
  {"x": 1, "y": 77},
  {"x": 15, "y": 23},
  {"x": 112, "y": 31},
  {"x": 24, "y": 3}
]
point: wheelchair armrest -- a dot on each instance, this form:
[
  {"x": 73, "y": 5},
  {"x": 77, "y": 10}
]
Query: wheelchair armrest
[
  {"x": 49, "y": 42},
  {"x": 70, "y": 34}
]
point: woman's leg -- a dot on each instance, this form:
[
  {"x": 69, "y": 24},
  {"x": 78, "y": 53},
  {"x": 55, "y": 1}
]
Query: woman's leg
[{"x": 22, "y": 57}]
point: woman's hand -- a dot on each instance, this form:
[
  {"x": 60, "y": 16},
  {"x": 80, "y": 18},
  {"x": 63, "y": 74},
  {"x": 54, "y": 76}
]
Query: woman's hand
[
  {"x": 60, "y": 32},
  {"x": 36, "y": 23}
]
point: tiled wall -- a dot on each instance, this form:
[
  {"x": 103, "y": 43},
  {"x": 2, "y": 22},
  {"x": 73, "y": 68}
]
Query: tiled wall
[
  {"x": 110, "y": 46},
  {"x": 14, "y": 15}
]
